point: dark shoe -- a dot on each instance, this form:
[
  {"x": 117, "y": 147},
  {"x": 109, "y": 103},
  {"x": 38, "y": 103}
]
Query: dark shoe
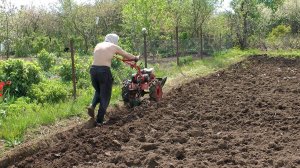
[
  {"x": 100, "y": 120},
  {"x": 99, "y": 124},
  {"x": 91, "y": 112}
]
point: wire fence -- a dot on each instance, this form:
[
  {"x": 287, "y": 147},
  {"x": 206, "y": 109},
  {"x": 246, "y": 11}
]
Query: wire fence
[{"x": 167, "y": 48}]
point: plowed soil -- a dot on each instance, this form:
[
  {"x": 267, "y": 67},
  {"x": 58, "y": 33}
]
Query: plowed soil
[{"x": 245, "y": 116}]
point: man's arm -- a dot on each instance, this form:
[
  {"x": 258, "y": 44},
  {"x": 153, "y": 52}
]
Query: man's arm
[{"x": 125, "y": 54}]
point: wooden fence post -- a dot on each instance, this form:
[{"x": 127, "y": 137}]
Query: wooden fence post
[
  {"x": 177, "y": 45},
  {"x": 144, "y": 30},
  {"x": 73, "y": 67}
]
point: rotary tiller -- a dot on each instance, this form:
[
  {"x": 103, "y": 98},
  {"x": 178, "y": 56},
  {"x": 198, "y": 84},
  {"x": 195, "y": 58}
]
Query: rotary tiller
[{"x": 142, "y": 82}]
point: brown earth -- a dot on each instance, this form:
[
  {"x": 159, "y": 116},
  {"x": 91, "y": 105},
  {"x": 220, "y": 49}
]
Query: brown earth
[{"x": 245, "y": 116}]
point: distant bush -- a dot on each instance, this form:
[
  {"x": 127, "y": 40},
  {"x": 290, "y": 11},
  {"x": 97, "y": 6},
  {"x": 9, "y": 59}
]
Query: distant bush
[
  {"x": 83, "y": 83},
  {"x": 121, "y": 73},
  {"x": 22, "y": 75},
  {"x": 46, "y": 60},
  {"x": 116, "y": 64},
  {"x": 22, "y": 47},
  {"x": 185, "y": 60},
  {"x": 65, "y": 71},
  {"x": 277, "y": 37},
  {"x": 39, "y": 43},
  {"x": 56, "y": 46},
  {"x": 48, "y": 92},
  {"x": 81, "y": 66},
  {"x": 126, "y": 45},
  {"x": 279, "y": 31}
]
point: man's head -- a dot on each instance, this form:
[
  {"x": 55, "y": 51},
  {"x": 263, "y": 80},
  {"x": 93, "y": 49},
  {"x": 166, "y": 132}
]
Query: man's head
[{"x": 112, "y": 38}]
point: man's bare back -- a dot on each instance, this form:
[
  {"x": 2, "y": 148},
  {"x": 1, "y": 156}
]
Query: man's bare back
[{"x": 105, "y": 51}]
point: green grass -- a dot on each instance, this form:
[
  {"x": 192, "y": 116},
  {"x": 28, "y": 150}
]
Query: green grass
[
  {"x": 283, "y": 53},
  {"x": 21, "y": 115},
  {"x": 205, "y": 66}
]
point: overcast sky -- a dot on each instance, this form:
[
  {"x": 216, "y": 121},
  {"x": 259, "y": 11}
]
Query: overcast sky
[{"x": 225, "y": 5}]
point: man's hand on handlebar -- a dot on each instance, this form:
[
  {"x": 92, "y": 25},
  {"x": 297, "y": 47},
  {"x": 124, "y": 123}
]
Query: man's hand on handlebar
[{"x": 136, "y": 58}]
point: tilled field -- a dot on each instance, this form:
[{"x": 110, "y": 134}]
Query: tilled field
[{"x": 245, "y": 116}]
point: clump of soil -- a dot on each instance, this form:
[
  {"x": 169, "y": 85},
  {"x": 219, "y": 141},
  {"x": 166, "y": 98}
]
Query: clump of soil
[{"x": 245, "y": 116}]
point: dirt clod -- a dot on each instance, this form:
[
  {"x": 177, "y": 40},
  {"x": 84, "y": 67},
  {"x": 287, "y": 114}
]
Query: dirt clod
[{"x": 149, "y": 146}]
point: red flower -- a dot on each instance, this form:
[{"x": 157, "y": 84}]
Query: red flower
[
  {"x": 0, "y": 95},
  {"x": 8, "y": 82},
  {"x": 2, "y": 85}
]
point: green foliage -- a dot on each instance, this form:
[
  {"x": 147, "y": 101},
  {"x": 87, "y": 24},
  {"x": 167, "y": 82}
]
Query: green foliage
[
  {"x": 22, "y": 74},
  {"x": 144, "y": 13},
  {"x": 289, "y": 14},
  {"x": 83, "y": 83},
  {"x": 273, "y": 4},
  {"x": 284, "y": 53},
  {"x": 48, "y": 92},
  {"x": 185, "y": 60},
  {"x": 12, "y": 131},
  {"x": 81, "y": 66},
  {"x": 279, "y": 31},
  {"x": 27, "y": 45},
  {"x": 65, "y": 71},
  {"x": 24, "y": 114},
  {"x": 127, "y": 45},
  {"x": 122, "y": 73},
  {"x": 46, "y": 60},
  {"x": 116, "y": 64},
  {"x": 56, "y": 46},
  {"x": 276, "y": 37},
  {"x": 23, "y": 47},
  {"x": 39, "y": 43}
]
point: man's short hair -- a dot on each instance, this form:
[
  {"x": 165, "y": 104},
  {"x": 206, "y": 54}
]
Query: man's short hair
[{"x": 112, "y": 38}]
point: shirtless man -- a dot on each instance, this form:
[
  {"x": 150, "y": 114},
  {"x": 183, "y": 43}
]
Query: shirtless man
[{"x": 101, "y": 76}]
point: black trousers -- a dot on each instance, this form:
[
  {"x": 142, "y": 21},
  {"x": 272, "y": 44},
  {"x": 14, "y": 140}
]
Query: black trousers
[{"x": 102, "y": 81}]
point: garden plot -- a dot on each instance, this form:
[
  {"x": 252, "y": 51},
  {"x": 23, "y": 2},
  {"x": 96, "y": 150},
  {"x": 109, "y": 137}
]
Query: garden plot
[{"x": 245, "y": 116}]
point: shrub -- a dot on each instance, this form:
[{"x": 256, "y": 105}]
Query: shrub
[
  {"x": 48, "y": 92},
  {"x": 83, "y": 83},
  {"x": 46, "y": 60},
  {"x": 185, "y": 60},
  {"x": 22, "y": 46},
  {"x": 39, "y": 43},
  {"x": 56, "y": 46},
  {"x": 22, "y": 75},
  {"x": 81, "y": 66},
  {"x": 275, "y": 38},
  {"x": 116, "y": 64},
  {"x": 122, "y": 73},
  {"x": 279, "y": 31}
]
